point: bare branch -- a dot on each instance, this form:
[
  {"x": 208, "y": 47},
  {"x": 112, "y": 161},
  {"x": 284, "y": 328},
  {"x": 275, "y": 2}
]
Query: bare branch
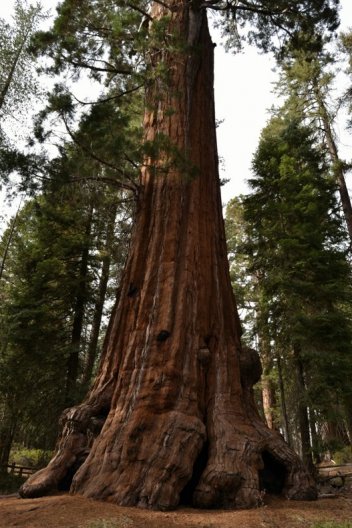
[{"x": 112, "y": 98}]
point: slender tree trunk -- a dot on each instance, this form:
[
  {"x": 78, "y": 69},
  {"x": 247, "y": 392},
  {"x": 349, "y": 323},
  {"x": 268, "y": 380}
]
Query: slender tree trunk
[
  {"x": 77, "y": 325},
  {"x": 269, "y": 400},
  {"x": 348, "y": 416},
  {"x": 9, "y": 240},
  {"x": 303, "y": 418},
  {"x": 336, "y": 161},
  {"x": 285, "y": 421},
  {"x": 7, "y": 433},
  {"x": 268, "y": 390},
  {"x": 316, "y": 444},
  {"x": 174, "y": 390},
  {"x": 334, "y": 431},
  {"x": 7, "y": 84},
  {"x": 99, "y": 305}
]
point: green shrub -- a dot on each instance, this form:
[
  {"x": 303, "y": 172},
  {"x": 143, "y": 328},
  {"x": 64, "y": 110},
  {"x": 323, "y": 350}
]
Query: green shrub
[
  {"x": 332, "y": 524},
  {"x": 35, "y": 458},
  {"x": 102, "y": 523},
  {"x": 343, "y": 456}
]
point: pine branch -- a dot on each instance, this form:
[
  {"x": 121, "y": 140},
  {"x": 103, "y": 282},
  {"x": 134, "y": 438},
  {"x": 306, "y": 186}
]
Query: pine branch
[{"x": 123, "y": 185}]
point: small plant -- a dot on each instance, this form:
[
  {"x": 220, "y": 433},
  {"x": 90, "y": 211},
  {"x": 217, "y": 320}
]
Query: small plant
[
  {"x": 332, "y": 524},
  {"x": 344, "y": 456},
  {"x": 102, "y": 523},
  {"x": 30, "y": 457},
  {"x": 121, "y": 522}
]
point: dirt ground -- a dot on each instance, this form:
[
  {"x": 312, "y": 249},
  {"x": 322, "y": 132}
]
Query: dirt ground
[{"x": 66, "y": 511}]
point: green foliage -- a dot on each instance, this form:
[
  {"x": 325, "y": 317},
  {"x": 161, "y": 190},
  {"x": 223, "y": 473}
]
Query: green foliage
[
  {"x": 45, "y": 294},
  {"x": 332, "y": 524},
  {"x": 19, "y": 89},
  {"x": 278, "y": 24},
  {"x": 297, "y": 248},
  {"x": 346, "y": 50},
  {"x": 288, "y": 263},
  {"x": 104, "y": 38},
  {"x": 17, "y": 75},
  {"x": 344, "y": 456},
  {"x": 307, "y": 81},
  {"x": 53, "y": 288},
  {"x": 36, "y": 458},
  {"x": 37, "y": 300}
]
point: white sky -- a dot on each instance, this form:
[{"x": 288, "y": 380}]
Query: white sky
[{"x": 243, "y": 85}]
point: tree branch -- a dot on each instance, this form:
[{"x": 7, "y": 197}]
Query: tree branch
[
  {"x": 123, "y": 185},
  {"x": 112, "y": 98}
]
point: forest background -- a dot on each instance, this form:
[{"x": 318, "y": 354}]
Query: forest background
[{"x": 64, "y": 249}]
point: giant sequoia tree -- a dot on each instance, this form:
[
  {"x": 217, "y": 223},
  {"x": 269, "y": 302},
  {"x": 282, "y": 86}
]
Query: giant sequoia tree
[{"x": 171, "y": 415}]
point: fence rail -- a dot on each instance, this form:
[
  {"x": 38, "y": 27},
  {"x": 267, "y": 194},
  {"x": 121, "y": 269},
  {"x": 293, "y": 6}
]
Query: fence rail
[
  {"x": 337, "y": 468},
  {"x": 340, "y": 471},
  {"x": 21, "y": 471}
]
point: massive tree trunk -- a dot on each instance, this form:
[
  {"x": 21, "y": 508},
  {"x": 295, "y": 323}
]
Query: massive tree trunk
[{"x": 174, "y": 391}]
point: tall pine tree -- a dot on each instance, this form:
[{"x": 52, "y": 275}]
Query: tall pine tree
[{"x": 297, "y": 248}]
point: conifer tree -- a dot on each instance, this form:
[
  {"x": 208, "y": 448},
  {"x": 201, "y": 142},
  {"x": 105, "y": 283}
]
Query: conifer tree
[
  {"x": 253, "y": 311},
  {"x": 297, "y": 247},
  {"x": 307, "y": 76},
  {"x": 17, "y": 78},
  {"x": 48, "y": 296}
]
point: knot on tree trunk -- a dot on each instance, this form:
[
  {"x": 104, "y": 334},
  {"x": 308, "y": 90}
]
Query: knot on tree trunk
[
  {"x": 204, "y": 356},
  {"x": 251, "y": 367}
]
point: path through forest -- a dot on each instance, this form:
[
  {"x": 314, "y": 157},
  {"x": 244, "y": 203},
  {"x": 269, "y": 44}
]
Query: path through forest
[{"x": 65, "y": 511}]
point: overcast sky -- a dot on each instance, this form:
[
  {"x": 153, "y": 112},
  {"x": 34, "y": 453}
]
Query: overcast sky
[{"x": 243, "y": 93}]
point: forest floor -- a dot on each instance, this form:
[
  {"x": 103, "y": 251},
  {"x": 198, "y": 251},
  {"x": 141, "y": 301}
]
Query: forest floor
[{"x": 67, "y": 511}]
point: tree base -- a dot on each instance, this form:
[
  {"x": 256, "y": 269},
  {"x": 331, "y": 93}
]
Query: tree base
[{"x": 161, "y": 460}]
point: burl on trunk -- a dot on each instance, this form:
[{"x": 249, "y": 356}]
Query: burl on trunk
[{"x": 171, "y": 416}]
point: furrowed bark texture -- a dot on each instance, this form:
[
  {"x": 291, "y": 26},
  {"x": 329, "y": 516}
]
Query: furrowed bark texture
[{"x": 174, "y": 385}]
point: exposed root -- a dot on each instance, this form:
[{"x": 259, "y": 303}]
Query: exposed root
[{"x": 79, "y": 426}]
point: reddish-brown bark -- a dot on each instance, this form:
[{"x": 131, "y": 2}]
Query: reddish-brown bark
[
  {"x": 269, "y": 400},
  {"x": 174, "y": 390}
]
